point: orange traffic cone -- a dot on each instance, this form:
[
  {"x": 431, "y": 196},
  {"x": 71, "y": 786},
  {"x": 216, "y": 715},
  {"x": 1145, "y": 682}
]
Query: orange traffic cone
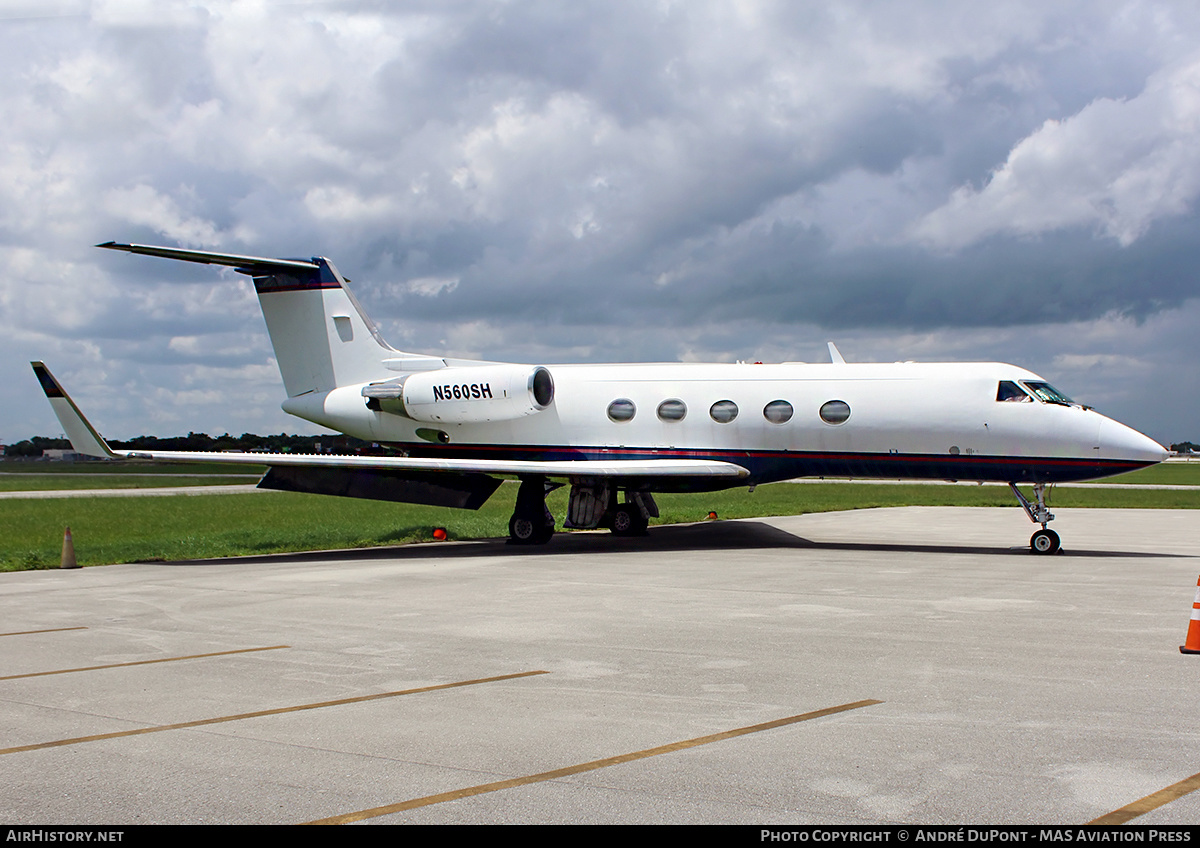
[
  {"x": 68, "y": 554},
  {"x": 1192, "y": 643}
]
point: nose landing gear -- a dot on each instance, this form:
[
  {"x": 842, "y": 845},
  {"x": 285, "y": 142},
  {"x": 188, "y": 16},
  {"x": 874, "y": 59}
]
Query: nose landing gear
[{"x": 1044, "y": 541}]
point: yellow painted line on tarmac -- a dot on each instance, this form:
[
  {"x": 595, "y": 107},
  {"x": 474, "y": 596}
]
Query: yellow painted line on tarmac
[
  {"x": 143, "y": 662},
  {"x": 1150, "y": 802},
  {"x": 484, "y": 788},
  {"x": 51, "y": 630},
  {"x": 259, "y": 713}
]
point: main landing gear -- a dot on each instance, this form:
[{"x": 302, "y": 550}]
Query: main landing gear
[
  {"x": 531, "y": 522},
  {"x": 1044, "y": 541},
  {"x": 593, "y": 503},
  {"x": 626, "y": 519}
]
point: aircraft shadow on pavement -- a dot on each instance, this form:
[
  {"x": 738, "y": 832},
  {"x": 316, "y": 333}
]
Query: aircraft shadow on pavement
[{"x": 708, "y": 536}]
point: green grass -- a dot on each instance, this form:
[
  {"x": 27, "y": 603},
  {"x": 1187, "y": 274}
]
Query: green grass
[
  {"x": 133, "y": 467},
  {"x": 1163, "y": 474},
  {"x": 40, "y": 476},
  {"x": 799, "y": 498},
  {"x": 30, "y": 482},
  {"x": 108, "y": 530}
]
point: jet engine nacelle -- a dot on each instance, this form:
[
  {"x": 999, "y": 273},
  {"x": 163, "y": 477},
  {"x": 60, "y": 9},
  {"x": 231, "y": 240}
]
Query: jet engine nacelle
[{"x": 465, "y": 395}]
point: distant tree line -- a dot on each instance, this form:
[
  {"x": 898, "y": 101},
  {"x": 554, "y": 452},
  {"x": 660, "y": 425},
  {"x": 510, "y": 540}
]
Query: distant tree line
[
  {"x": 1184, "y": 447},
  {"x": 281, "y": 443},
  {"x": 32, "y": 448}
]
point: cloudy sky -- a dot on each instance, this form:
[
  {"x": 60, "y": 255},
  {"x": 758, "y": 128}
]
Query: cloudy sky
[{"x": 601, "y": 181}]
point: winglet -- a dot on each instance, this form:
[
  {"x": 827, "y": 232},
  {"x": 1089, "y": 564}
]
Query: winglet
[
  {"x": 83, "y": 436},
  {"x": 835, "y": 355}
]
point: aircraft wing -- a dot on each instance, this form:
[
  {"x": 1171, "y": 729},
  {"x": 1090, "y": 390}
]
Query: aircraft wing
[
  {"x": 85, "y": 440},
  {"x": 551, "y": 468}
]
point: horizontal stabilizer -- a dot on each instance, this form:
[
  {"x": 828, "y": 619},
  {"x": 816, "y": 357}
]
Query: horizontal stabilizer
[{"x": 255, "y": 266}]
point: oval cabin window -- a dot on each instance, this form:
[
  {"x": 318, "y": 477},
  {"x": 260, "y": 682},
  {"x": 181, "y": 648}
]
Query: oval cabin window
[
  {"x": 778, "y": 412},
  {"x": 622, "y": 410},
  {"x": 835, "y": 411},
  {"x": 672, "y": 410},
  {"x": 723, "y": 411}
]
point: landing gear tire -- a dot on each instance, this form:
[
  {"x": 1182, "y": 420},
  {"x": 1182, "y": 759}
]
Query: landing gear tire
[
  {"x": 1044, "y": 542},
  {"x": 627, "y": 520},
  {"x": 528, "y": 531}
]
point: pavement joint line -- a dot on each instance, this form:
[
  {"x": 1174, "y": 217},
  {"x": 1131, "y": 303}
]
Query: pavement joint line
[
  {"x": 457, "y": 794},
  {"x": 58, "y": 743},
  {"x": 50, "y": 630},
  {"x": 1151, "y": 802},
  {"x": 142, "y": 662}
]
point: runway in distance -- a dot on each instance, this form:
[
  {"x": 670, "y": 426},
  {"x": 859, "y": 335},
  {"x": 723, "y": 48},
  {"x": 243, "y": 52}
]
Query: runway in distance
[{"x": 618, "y": 433}]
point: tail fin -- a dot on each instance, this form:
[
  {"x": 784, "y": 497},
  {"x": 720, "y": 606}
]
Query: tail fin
[{"x": 321, "y": 336}]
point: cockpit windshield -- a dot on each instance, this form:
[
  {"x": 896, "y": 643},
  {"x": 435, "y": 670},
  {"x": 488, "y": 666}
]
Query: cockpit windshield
[
  {"x": 1047, "y": 393},
  {"x": 1010, "y": 392}
]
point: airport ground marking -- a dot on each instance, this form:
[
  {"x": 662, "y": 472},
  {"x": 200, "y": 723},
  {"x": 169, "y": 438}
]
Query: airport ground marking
[
  {"x": 143, "y": 662},
  {"x": 593, "y": 765},
  {"x": 58, "y": 743},
  {"x": 50, "y": 630},
  {"x": 1151, "y": 802}
]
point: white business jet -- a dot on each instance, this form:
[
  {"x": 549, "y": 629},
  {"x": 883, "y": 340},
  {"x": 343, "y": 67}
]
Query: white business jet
[{"x": 619, "y": 433}]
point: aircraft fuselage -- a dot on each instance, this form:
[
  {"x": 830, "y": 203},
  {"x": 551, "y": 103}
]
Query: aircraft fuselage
[{"x": 780, "y": 421}]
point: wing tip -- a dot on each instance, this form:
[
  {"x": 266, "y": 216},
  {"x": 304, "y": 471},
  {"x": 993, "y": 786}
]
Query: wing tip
[
  {"x": 49, "y": 385},
  {"x": 82, "y": 435}
]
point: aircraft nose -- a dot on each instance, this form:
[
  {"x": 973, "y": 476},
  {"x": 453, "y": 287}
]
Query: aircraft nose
[{"x": 1120, "y": 442}]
